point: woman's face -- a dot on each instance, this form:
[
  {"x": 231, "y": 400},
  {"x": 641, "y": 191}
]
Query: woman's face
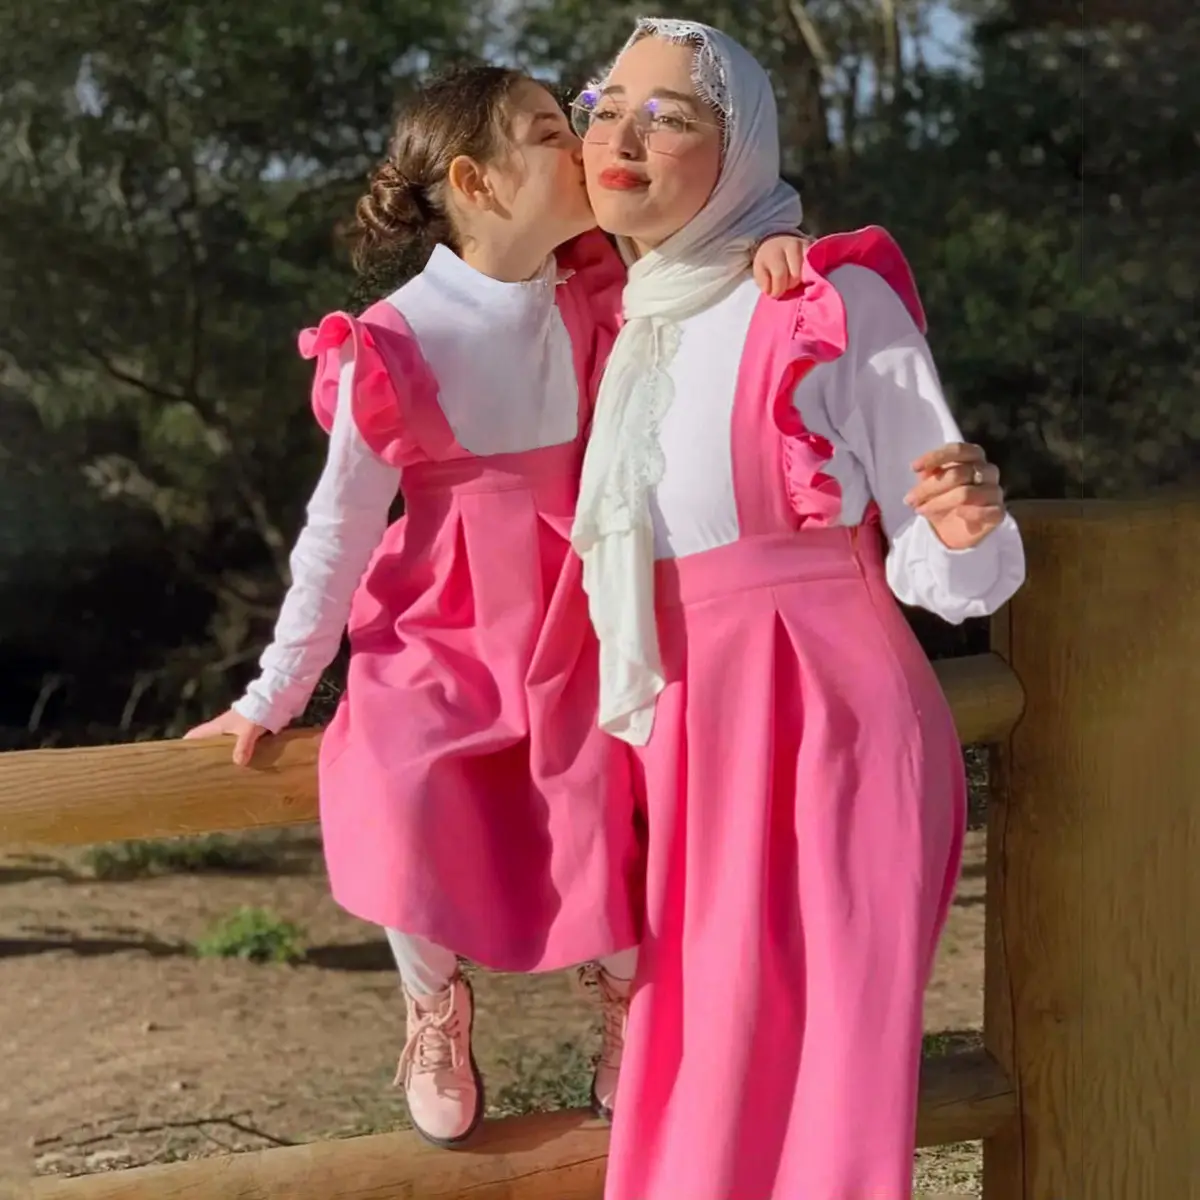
[
  {"x": 652, "y": 152},
  {"x": 538, "y": 181}
]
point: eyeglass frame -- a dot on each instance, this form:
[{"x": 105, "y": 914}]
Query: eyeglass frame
[{"x": 639, "y": 123}]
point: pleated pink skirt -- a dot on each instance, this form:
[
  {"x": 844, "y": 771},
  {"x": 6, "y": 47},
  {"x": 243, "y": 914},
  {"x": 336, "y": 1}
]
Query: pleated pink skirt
[{"x": 805, "y": 801}]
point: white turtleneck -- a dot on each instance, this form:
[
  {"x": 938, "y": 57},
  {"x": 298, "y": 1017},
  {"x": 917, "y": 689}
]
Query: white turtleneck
[
  {"x": 506, "y": 384},
  {"x": 499, "y": 351}
]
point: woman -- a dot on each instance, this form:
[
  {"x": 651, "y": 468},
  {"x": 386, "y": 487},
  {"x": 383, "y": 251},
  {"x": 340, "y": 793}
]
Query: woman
[
  {"x": 803, "y": 782},
  {"x": 468, "y": 803}
]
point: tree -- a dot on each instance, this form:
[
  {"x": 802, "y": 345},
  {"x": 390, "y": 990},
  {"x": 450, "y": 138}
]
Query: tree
[
  {"x": 170, "y": 176},
  {"x": 1040, "y": 196}
]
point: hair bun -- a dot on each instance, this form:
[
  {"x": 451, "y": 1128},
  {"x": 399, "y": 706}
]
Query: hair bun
[
  {"x": 395, "y": 206},
  {"x": 406, "y": 210},
  {"x": 387, "y": 174}
]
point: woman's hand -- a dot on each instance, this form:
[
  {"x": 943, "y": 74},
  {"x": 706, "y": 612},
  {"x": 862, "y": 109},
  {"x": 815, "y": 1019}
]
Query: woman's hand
[
  {"x": 234, "y": 725},
  {"x": 958, "y": 493},
  {"x": 778, "y": 261}
]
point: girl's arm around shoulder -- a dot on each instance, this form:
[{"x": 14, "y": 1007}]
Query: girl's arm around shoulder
[{"x": 954, "y": 549}]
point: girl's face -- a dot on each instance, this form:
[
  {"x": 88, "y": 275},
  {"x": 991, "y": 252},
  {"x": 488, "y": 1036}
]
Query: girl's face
[
  {"x": 537, "y": 182},
  {"x": 652, "y": 146}
]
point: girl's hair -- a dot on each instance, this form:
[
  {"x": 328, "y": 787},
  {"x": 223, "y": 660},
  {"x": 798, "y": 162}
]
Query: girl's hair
[{"x": 462, "y": 112}]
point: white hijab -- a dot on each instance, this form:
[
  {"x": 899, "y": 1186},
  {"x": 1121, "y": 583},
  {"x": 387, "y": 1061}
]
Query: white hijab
[{"x": 688, "y": 273}]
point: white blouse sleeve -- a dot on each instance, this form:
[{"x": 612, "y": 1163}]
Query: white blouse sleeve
[
  {"x": 347, "y": 517},
  {"x": 893, "y": 411}
]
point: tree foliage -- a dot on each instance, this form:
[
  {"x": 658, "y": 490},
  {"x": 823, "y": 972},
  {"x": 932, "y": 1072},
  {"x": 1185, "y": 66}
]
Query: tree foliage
[{"x": 172, "y": 176}]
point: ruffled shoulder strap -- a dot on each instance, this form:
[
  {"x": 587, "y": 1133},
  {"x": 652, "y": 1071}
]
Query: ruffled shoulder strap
[
  {"x": 821, "y": 320},
  {"x": 788, "y": 336},
  {"x": 589, "y": 299},
  {"x": 392, "y": 392}
]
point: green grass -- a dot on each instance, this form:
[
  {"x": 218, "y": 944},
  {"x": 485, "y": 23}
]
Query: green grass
[
  {"x": 170, "y": 856},
  {"x": 935, "y": 1045},
  {"x": 546, "y": 1080},
  {"x": 255, "y": 935}
]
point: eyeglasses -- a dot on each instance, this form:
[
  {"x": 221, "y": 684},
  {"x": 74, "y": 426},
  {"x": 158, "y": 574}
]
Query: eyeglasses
[{"x": 662, "y": 126}]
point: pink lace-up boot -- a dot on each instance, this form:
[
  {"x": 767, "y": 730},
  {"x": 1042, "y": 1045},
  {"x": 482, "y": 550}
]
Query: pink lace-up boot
[
  {"x": 437, "y": 1068},
  {"x": 612, "y": 995}
]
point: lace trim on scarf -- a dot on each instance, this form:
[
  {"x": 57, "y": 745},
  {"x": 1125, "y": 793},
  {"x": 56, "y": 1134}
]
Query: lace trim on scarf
[
  {"x": 708, "y": 71},
  {"x": 639, "y": 469}
]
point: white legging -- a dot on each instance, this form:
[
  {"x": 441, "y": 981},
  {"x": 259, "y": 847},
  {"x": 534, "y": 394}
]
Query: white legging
[{"x": 427, "y": 968}]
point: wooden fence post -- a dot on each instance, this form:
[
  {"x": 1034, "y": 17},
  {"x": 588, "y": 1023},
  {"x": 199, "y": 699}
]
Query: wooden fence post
[{"x": 1093, "y": 919}]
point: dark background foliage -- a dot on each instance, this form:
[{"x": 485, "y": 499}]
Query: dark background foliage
[{"x": 173, "y": 176}]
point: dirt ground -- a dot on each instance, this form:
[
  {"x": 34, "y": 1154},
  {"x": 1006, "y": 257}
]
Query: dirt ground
[{"x": 120, "y": 1047}]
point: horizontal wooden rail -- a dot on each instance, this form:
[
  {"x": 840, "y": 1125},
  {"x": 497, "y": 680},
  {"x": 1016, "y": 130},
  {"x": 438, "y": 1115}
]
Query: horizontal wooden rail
[
  {"x": 985, "y": 696},
  {"x": 547, "y": 1156},
  {"x": 168, "y": 789},
  {"x": 155, "y": 789}
]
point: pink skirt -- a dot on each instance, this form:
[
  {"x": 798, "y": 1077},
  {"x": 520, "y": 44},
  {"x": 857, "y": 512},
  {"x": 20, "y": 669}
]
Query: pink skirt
[
  {"x": 467, "y": 794},
  {"x": 805, "y": 799}
]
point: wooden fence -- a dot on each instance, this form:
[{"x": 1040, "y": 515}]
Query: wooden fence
[{"x": 1084, "y": 1090}]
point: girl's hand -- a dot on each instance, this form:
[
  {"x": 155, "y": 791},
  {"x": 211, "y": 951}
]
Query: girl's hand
[
  {"x": 231, "y": 724},
  {"x": 778, "y": 261},
  {"x": 959, "y": 494}
]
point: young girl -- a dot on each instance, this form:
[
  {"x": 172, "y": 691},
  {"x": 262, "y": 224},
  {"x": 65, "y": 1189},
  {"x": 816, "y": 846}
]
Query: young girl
[
  {"x": 468, "y": 802},
  {"x": 802, "y": 778}
]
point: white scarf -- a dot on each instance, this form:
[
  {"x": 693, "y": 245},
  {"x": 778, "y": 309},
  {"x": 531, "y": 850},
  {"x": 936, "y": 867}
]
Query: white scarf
[{"x": 688, "y": 273}]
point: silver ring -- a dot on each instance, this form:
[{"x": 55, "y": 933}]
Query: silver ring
[{"x": 977, "y": 477}]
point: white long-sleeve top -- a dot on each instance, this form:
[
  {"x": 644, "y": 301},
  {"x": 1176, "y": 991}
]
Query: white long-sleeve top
[
  {"x": 506, "y": 383},
  {"x": 880, "y": 405},
  {"x": 346, "y": 519}
]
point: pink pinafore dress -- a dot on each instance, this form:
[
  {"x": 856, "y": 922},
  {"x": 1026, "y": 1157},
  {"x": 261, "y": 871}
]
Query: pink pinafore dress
[
  {"x": 805, "y": 801},
  {"x": 466, "y": 794}
]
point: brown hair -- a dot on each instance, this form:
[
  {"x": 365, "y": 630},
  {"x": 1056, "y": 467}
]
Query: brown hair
[{"x": 461, "y": 112}]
